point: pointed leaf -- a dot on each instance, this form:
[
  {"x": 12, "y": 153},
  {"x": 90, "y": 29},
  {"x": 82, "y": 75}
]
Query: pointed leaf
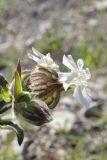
[
  {"x": 19, "y": 131},
  {"x": 18, "y": 67},
  {"x": 17, "y": 85}
]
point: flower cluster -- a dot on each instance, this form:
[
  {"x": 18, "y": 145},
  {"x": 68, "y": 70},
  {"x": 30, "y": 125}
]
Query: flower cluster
[
  {"x": 77, "y": 78},
  {"x": 33, "y": 94}
]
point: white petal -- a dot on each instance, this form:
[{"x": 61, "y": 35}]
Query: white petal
[
  {"x": 48, "y": 57},
  {"x": 72, "y": 60},
  {"x": 69, "y": 62},
  {"x": 65, "y": 76},
  {"x": 81, "y": 95},
  {"x": 66, "y": 79},
  {"x": 36, "y": 59},
  {"x": 87, "y": 73},
  {"x": 37, "y": 53},
  {"x": 80, "y": 64}
]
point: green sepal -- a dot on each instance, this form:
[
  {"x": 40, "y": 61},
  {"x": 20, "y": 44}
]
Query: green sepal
[
  {"x": 19, "y": 131},
  {"x": 23, "y": 97}
]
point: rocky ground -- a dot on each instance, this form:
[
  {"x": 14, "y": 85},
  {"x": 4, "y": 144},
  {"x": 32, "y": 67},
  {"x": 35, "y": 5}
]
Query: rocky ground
[
  {"x": 59, "y": 27},
  {"x": 73, "y": 130}
]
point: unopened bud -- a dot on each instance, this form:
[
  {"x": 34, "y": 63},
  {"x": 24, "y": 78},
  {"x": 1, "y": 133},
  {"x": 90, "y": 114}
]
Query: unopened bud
[{"x": 36, "y": 112}]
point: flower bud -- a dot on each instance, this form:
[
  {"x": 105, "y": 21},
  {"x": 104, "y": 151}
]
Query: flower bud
[
  {"x": 44, "y": 82},
  {"x": 36, "y": 112}
]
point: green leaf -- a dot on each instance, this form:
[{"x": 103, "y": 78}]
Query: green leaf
[
  {"x": 17, "y": 85},
  {"x": 19, "y": 131},
  {"x": 1, "y": 97},
  {"x": 5, "y": 95}
]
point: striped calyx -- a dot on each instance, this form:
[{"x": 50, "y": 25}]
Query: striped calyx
[
  {"x": 44, "y": 82},
  {"x": 35, "y": 112}
]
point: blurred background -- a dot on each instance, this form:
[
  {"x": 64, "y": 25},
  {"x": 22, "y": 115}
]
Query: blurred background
[{"x": 77, "y": 27}]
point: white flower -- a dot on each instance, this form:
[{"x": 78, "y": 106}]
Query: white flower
[
  {"x": 77, "y": 77},
  {"x": 42, "y": 60}
]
